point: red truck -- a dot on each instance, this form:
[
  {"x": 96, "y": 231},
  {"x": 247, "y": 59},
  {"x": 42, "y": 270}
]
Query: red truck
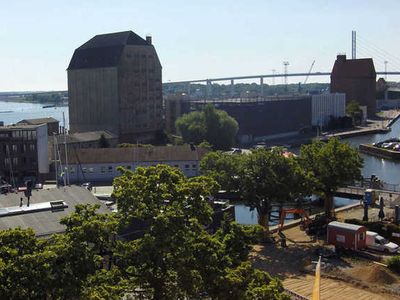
[{"x": 347, "y": 236}]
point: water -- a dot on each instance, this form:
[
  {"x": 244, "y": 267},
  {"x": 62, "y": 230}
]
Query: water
[{"x": 12, "y": 112}]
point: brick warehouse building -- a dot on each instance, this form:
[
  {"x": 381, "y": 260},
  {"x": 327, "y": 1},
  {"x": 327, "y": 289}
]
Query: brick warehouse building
[
  {"x": 357, "y": 79},
  {"x": 114, "y": 83}
]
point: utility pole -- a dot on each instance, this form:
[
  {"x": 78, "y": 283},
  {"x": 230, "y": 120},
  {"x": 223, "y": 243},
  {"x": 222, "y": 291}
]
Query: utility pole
[
  {"x": 55, "y": 157},
  {"x": 353, "y": 45},
  {"x": 66, "y": 151}
]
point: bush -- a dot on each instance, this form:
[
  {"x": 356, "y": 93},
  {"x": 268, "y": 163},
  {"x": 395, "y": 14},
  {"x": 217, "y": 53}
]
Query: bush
[{"x": 394, "y": 264}]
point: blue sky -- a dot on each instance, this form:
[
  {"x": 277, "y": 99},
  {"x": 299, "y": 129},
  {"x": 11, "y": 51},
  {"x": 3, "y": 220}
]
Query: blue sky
[{"x": 196, "y": 39}]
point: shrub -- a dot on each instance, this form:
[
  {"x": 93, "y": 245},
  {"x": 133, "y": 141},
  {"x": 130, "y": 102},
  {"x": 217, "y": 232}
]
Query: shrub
[{"x": 394, "y": 264}]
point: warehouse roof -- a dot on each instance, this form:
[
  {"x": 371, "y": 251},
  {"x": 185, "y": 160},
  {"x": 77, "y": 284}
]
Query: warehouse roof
[
  {"x": 104, "y": 50},
  {"x": 349, "y": 68},
  {"x": 136, "y": 154},
  {"x": 44, "y": 222},
  {"x": 38, "y": 121}
]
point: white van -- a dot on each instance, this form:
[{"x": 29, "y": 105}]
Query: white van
[{"x": 379, "y": 243}]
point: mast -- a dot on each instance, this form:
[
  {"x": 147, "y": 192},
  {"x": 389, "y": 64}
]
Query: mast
[
  {"x": 55, "y": 157},
  {"x": 66, "y": 150}
]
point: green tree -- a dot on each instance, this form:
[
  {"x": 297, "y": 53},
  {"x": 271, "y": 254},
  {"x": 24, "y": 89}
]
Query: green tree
[
  {"x": 177, "y": 258},
  {"x": 224, "y": 168},
  {"x": 333, "y": 164},
  {"x": 268, "y": 178},
  {"x": 213, "y": 125},
  {"x": 354, "y": 111},
  {"x": 103, "y": 142}
]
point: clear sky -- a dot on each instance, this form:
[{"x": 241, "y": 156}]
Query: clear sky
[{"x": 196, "y": 39}]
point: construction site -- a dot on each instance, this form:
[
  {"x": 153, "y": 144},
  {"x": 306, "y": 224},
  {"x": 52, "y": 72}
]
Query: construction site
[{"x": 319, "y": 261}]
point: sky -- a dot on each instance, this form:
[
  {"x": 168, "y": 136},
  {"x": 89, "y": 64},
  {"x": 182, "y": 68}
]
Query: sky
[{"x": 197, "y": 39}]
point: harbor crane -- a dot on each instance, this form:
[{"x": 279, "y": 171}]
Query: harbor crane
[{"x": 309, "y": 72}]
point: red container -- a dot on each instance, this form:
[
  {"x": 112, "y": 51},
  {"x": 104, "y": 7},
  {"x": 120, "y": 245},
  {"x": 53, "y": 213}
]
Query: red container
[{"x": 347, "y": 236}]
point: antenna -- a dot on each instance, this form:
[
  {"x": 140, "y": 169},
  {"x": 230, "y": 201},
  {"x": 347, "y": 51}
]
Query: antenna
[{"x": 353, "y": 44}]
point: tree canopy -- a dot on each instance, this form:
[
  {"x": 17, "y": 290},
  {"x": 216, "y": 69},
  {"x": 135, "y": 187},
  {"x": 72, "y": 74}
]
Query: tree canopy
[
  {"x": 333, "y": 164},
  {"x": 211, "y": 125},
  {"x": 223, "y": 168},
  {"x": 268, "y": 177},
  {"x": 176, "y": 257}
]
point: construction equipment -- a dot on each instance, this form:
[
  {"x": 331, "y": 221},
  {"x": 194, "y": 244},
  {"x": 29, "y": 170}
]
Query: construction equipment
[
  {"x": 299, "y": 211},
  {"x": 309, "y": 72}
]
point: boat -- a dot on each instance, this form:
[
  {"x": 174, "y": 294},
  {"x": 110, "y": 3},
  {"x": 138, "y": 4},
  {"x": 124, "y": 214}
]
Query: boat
[{"x": 48, "y": 106}]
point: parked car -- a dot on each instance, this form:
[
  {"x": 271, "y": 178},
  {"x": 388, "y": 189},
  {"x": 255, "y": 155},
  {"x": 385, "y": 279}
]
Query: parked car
[{"x": 379, "y": 243}]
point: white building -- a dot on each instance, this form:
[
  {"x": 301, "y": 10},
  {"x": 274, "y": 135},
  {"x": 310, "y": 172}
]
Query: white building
[
  {"x": 100, "y": 165},
  {"x": 325, "y": 106}
]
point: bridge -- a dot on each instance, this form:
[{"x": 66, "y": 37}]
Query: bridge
[
  {"x": 261, "y": 77},
  {"x": 208, "y": 82}
]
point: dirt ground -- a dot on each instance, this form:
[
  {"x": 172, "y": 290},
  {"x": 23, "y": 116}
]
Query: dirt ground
[{"x": 342, "y": 278}]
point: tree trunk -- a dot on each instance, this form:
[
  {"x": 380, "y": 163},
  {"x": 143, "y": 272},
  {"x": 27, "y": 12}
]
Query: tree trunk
[
  {"x": 328, "y": 205},
  {"x": 263, "y": 220}
]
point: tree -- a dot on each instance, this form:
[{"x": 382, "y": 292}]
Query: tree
[
  {"x": 103, "y": 142},
  {"x": 268, "y": 178},
  {"x": 333, "y": 164},
  {"x": 177, "y": 258},
  {"x": 223, "y": 168},
  {"x": 354, "y": 111},
  {"x": 212, "y": 125}
]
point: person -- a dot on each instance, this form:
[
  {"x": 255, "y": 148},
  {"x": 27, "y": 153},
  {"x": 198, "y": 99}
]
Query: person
[{"x": 21, "y": 201}]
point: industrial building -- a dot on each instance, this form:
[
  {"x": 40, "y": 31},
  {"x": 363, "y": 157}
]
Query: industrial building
[
  {"x": 327, "y": 106},
  {"x": 100, "y": 165},
  {"x": 266, "y": 118},
  {"x": 357, "y": 79},
  {"x": 23, "y": 152},
  {"x": 114, "y": 83}
]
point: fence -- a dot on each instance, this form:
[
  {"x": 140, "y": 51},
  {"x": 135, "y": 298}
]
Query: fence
[{"x": 295, "y": 296}]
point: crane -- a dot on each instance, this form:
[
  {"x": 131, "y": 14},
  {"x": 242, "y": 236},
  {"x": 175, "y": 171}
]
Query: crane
[{"x": 309, "y": 71}]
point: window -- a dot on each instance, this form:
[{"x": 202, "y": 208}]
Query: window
[
  {"x": 176, "y": 166},
  {"x": 103, "y": 169},
  {"x": 84, "y": 170},
  {"x": 72, "y": 170},
  {"x": 128, "y": 167},
  {"x": 91, "y": 170},
  {"x": 15, "y": 161},
  {"x": 194, "y": 166},
  {"x": 32, "y": 147},
  {"x": 110, "y": 169},
  {"x": 362, "y": 236},
  {"x": 340, "y": 238},
  {"x": 187, "y": 166}
]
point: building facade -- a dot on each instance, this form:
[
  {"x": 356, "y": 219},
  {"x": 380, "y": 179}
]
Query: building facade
[
  {"x": 101, "y": 165},
  {"x": 357, "y": 79},
  {"x": 325, "y": 106},
  {"x": 53, "y": 125},
  {"x": 114, "y": 83},
  {"x": 23, "y": 152}
]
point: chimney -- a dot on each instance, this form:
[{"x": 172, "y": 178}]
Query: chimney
[
  {"x": 148, "y": 39},
  {"x": 341, "y": 58}
]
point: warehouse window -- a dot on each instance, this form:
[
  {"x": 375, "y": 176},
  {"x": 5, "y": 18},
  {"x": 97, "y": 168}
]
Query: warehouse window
[
  {"x": 110, "y": 168},
  {"x": 103, "y": 169}
]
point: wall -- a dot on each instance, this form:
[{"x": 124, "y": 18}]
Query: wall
[
  {"x": 326, "y": 105},
  {"x": 93, "y": 100},
  {"x": 140, "y": 94},
  {"x": 42, "y": 149},
  {"x": 107, "y": 172}
]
